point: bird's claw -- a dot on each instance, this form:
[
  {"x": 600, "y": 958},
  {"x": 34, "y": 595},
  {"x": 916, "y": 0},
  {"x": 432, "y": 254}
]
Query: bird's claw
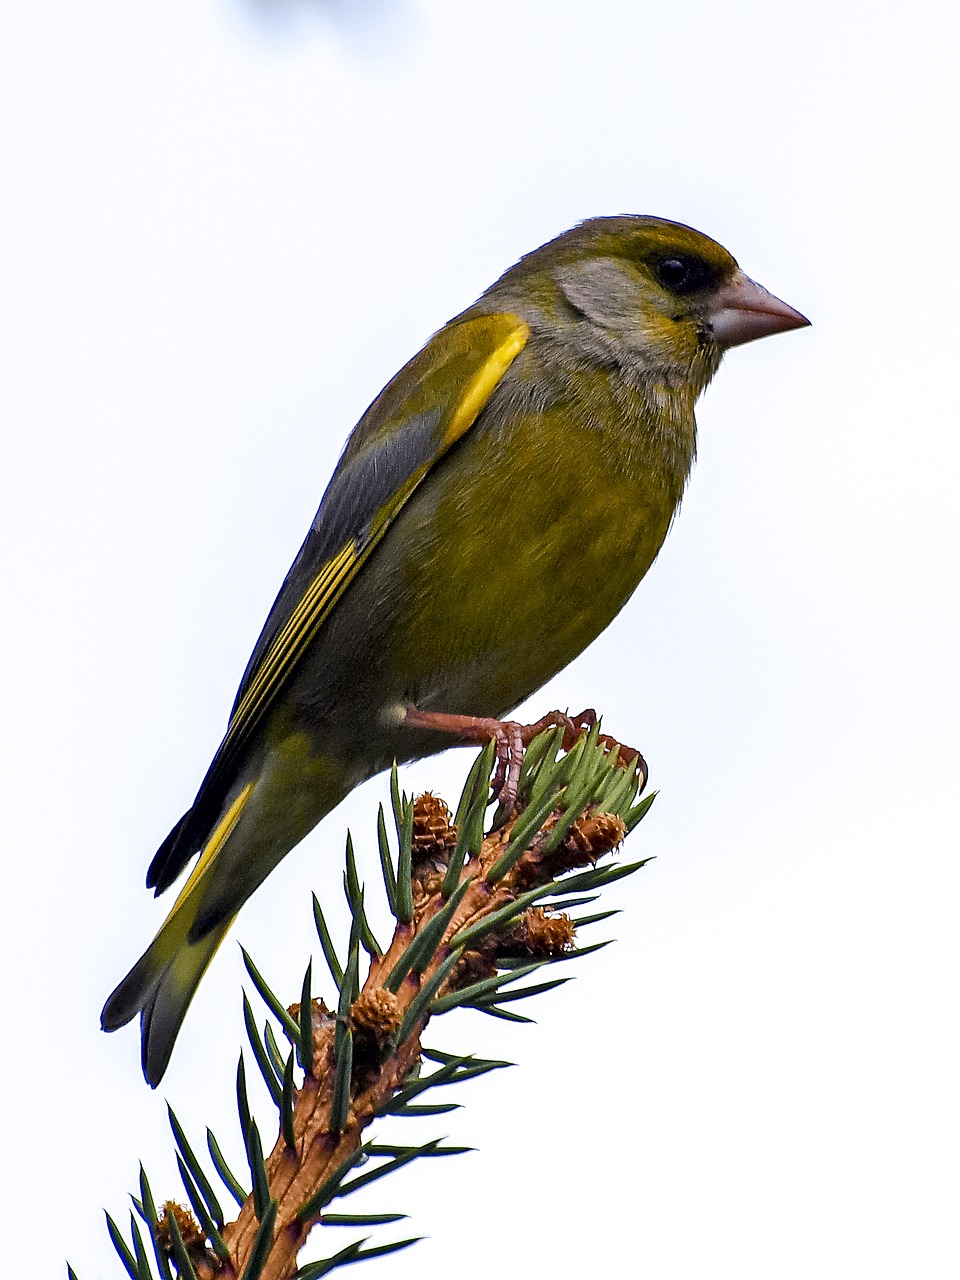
[{"x": 512, "y": 739}]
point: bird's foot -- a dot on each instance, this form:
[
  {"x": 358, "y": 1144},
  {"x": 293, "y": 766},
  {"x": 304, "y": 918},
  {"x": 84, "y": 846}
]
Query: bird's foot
[{"x": 512, "y": 739}]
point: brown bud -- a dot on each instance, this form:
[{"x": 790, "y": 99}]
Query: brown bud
[
  {"x": 376, "y": 1012},
  {"x": 205, "y": 1262},
  {"x": 190, "y": 1231},
  {"x": 434, "y": 832},
  {"x": 592, "y": 836},
  {"x": 538, "y": 934}
]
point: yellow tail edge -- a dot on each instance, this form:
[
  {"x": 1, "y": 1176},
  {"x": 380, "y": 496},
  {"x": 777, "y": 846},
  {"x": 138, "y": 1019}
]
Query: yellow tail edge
[{"x": 162, "y": 983}]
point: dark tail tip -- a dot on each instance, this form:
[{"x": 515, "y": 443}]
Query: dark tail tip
[
  {"x": 155, "y": 1050},
  {"x": 135, "y": 993},
  {"x": 121, "y": 1006},
  {"x": 134, "y": 996}
]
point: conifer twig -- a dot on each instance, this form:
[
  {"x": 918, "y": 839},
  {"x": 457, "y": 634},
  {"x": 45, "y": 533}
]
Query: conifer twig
[{"x": 475, "y": 915}]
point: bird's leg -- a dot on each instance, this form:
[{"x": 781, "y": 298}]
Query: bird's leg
[{"x": 511, "y": 739}]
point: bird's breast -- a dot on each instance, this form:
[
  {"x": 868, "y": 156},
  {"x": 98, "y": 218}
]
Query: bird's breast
[{"x": 521, "y": 548}]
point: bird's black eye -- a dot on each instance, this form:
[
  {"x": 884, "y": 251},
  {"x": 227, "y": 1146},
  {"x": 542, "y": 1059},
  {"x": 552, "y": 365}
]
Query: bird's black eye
[{"x": 684, "y": 275}]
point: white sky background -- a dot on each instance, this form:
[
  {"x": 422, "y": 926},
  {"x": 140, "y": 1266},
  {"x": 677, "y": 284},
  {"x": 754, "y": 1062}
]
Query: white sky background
[{"x": 224, "y": 225}]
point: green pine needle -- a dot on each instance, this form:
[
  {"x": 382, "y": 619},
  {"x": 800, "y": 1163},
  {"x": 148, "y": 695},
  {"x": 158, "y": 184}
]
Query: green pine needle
[
  {"x": 472, "y": 1066},
  {"x": 469, "y": 819},
  {"x": 497, "y": 919},
  {"x": 148, "y": 1211},
  {"x": 634, "y": 815},
  {"x": 567, "y": 904},
  {"x": 340, "y": 1108},
  {"x": 195, "y": 1167},
  {"x": 354, "y": 894},
  {"x": 326, "y": 944},
  {"x": 386, "y": 862},
  {"x": 258, "y": 1171},
  {"x": 243, "y": 1102},
  {"x": 577, "y": 953},
  {"x": 596, "y": 878},
  {"x": 526, "y": 826},
  {"x": 410, "y": 1109},
  {"x": 273, "y": 1049},
  {"x": 227, "y": 1177},
  {"x": 351, "y": 979},
  {"x": 405, "y": 864},
  {"x": 202, "y": 1212},
  {"x": 305, "y": 1038},
  {"x": 485, "y": 987},
  {"x": 544, "y": 747},
  {"x": 286, "y": 1105},
  {"x": 323, "y": 1267},
  {"x": 494, "y": 1011},
  {"x": 126, "y": 1257},
  {"x": 397, "y": 1162},
  {"x": 413, "y": 1088},
  {"x": 260, "y": 1053},
  {"x": 506, "y": 997},
  {"x": 179, "y": 1250},
  {"x": 360, "y": 1219},
  {"x": 379, "y": 1250},
  {"x": 397, "y": 801},
  {"x": 261, "y": 1244},
  {"x": 270, "y": 1000},
  {"x": 143, "y": 1262},
  {"x": 582, "y": 921},
  {"x": 387, "y": 1149}
]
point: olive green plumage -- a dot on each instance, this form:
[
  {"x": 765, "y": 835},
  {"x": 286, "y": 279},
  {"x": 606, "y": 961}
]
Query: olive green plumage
[{"x": 492, "y": 512}]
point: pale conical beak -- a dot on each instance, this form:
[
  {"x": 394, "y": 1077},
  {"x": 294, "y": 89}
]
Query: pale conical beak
[{"x": 743, "y": 310}]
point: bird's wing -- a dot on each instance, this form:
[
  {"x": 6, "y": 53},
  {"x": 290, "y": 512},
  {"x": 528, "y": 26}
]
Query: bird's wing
[{"x": 430, "y": 405}]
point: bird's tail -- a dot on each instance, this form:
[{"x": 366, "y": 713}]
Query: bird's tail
[{"x": 161, "y": 984}]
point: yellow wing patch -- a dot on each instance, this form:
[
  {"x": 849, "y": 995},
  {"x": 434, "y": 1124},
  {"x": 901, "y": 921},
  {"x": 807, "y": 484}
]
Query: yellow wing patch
[
  {"x": 481, "y": 386},
  {"x": 488, "y": 343}
]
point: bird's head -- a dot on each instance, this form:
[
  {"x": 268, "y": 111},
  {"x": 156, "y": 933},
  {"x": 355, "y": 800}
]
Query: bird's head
[{"x": 666, "y": 297}]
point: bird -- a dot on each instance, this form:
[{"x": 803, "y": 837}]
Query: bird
[{"x": 491, "y": 513}]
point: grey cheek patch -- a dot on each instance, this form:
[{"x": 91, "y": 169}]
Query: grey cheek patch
[{"x": 604, "y": 290}]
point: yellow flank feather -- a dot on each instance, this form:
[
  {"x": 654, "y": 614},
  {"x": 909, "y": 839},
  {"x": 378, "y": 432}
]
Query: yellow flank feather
[
  {"x": 213, "y": 846},
  {"x": 163, "y": 980}
]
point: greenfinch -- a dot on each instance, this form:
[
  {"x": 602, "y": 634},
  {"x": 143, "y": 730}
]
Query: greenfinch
[{"x": 492, "y": 512}]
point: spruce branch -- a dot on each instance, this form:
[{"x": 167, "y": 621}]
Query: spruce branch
[{"x": 475, "y": 916}]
